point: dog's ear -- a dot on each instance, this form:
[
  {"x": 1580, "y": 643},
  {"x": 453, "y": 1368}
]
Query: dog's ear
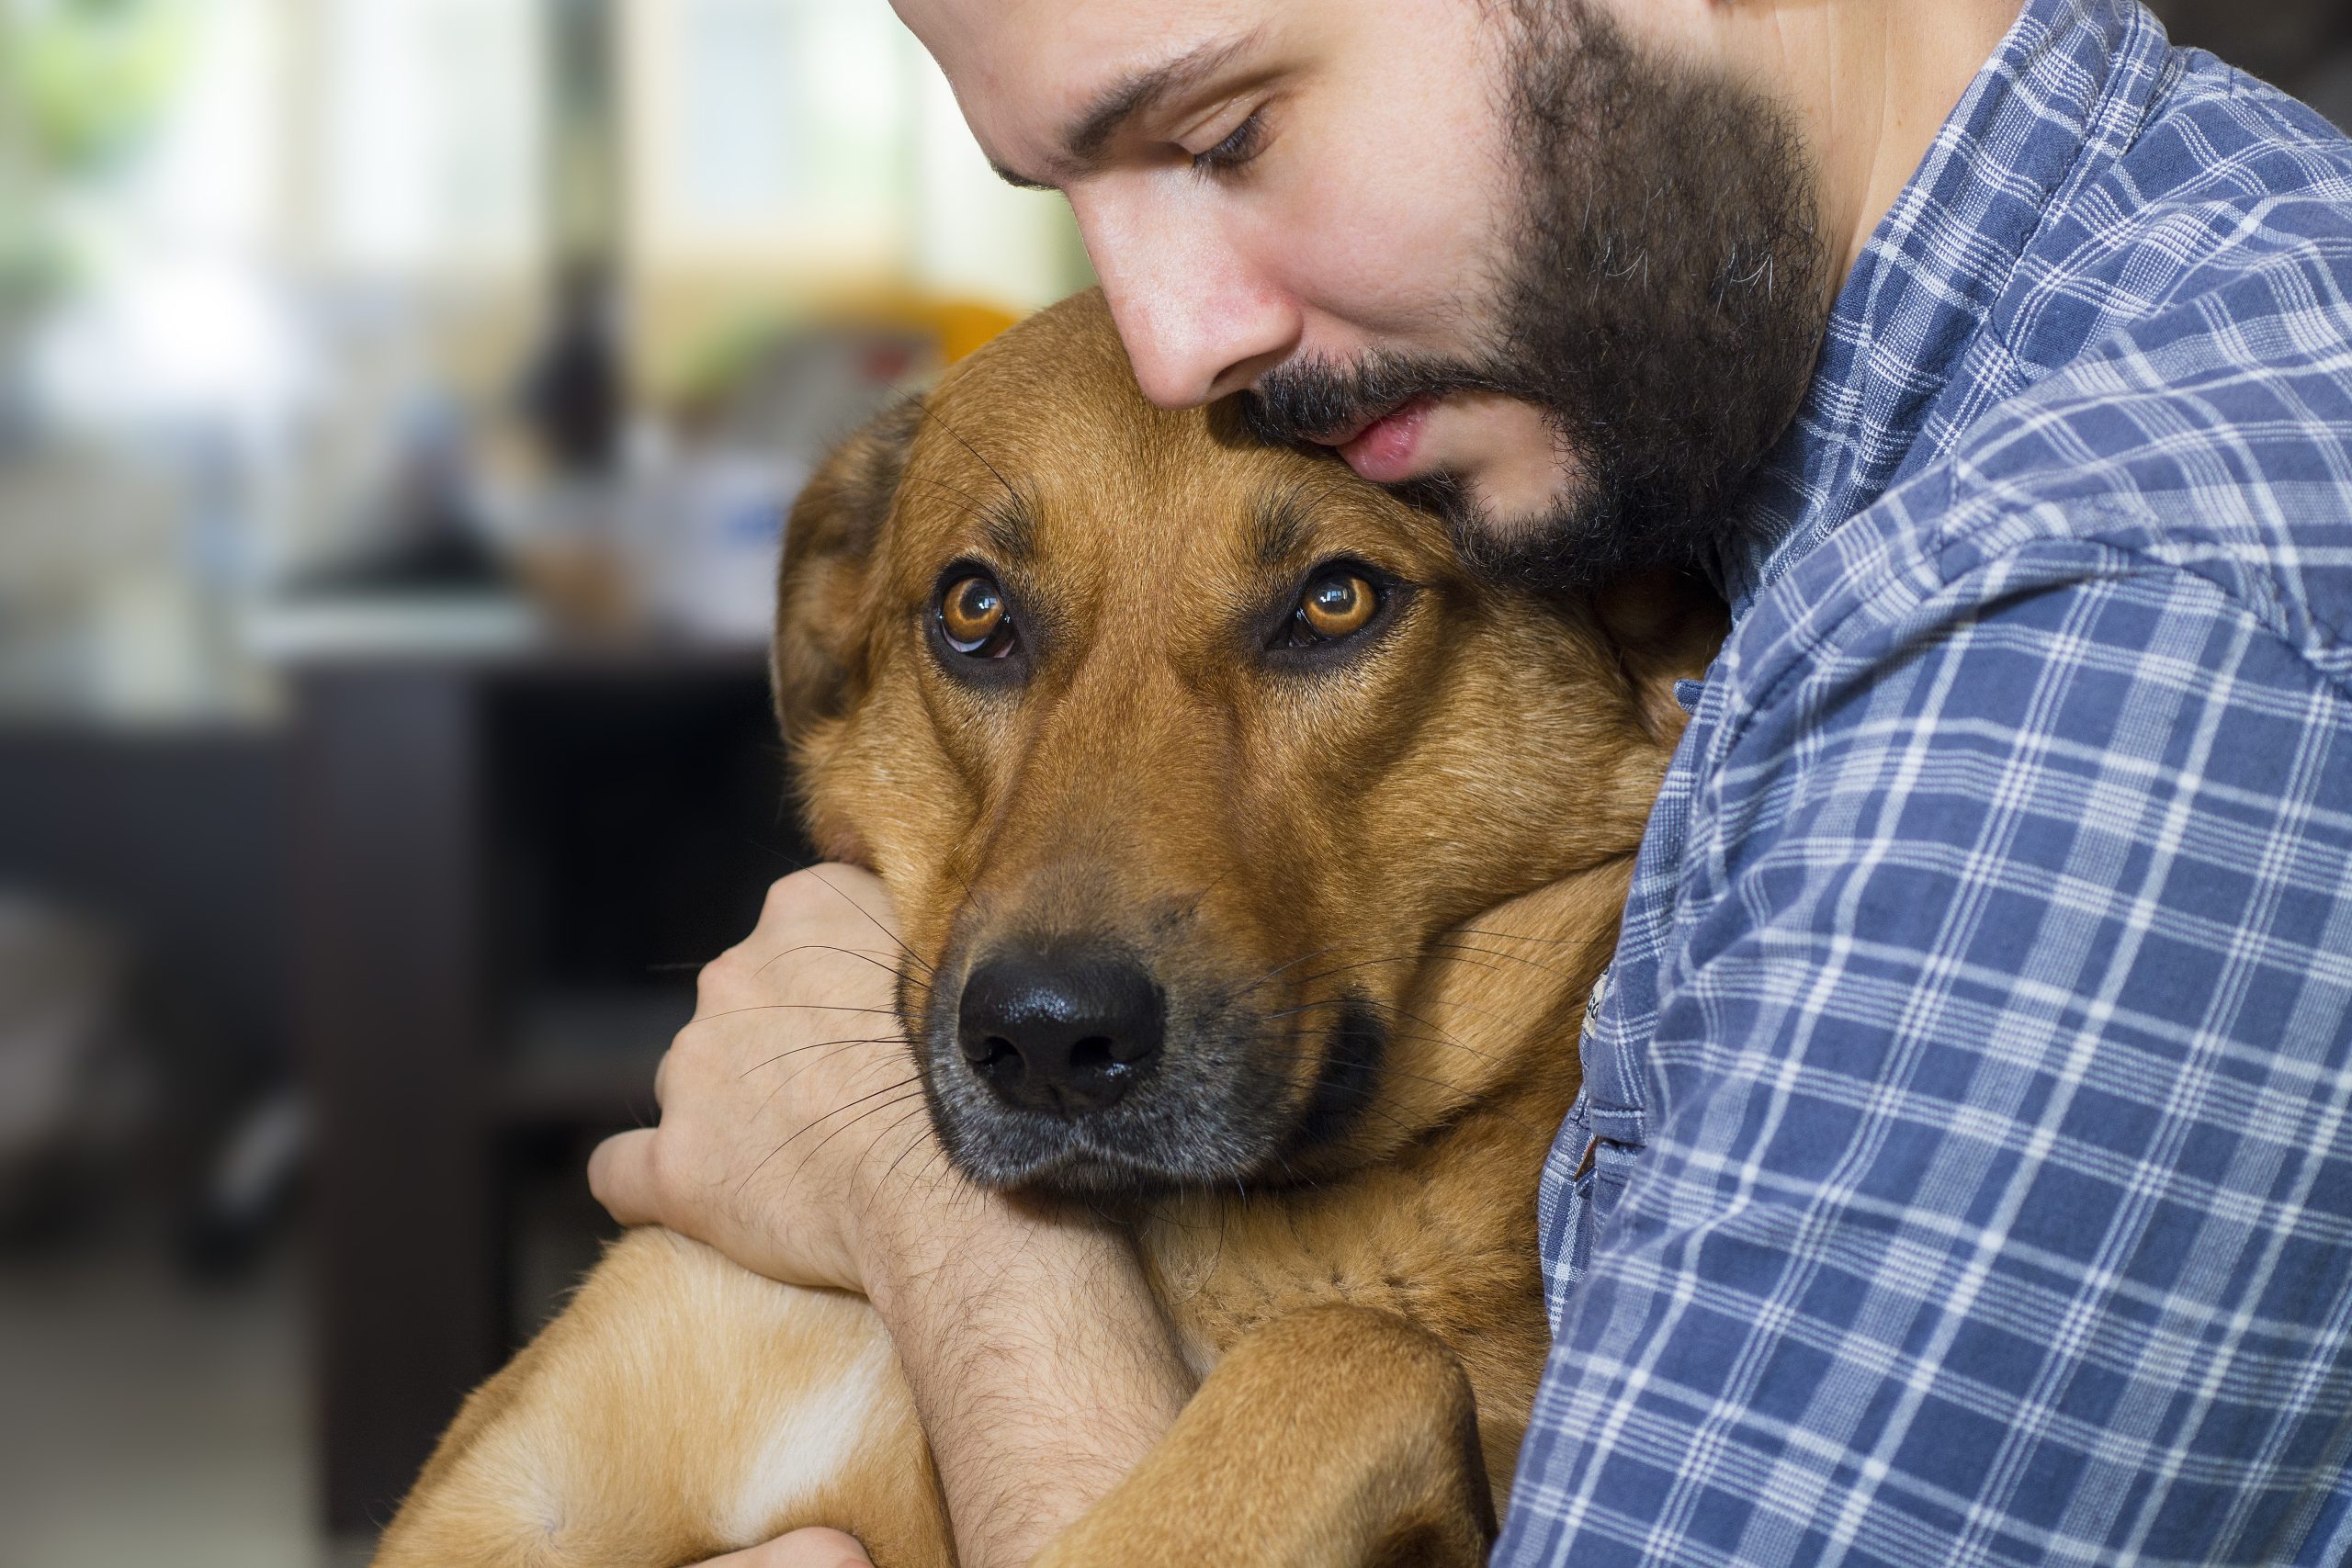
[
  {"x": 818, "y": 662},
  {"x": 1664, "y": 627}
]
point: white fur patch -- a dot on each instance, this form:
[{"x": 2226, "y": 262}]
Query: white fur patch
[{"x": 811, "y": 1438}]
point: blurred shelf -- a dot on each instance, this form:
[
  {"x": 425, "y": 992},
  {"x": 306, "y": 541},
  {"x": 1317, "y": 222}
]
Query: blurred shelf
[
  {"x": 492, "y": 633},
  {"x": 500, "y": 856},
  {"x": 587, "y": 1057},
  {"x": 395, "y": 627}
]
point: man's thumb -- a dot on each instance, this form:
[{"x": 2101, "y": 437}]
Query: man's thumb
[
  {"x": 802, "y": 1549},
  {"x": 620, "y": 1173}
]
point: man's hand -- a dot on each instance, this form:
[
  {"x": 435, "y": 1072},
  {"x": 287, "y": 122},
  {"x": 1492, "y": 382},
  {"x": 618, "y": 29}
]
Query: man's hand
[
  {"x": 794, "y": 1139},
  {"x": 802, "y": 1549},
  {"x": 787, "y": 1096}
]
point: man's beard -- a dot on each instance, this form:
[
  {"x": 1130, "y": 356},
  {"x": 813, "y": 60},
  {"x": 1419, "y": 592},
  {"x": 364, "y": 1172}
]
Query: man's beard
[{"x": 1662, "y": 304}]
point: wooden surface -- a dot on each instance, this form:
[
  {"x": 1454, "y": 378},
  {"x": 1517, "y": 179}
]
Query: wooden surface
[
  {"x": 390, "y": 1009},
  {"x": 505, "y": 872}
]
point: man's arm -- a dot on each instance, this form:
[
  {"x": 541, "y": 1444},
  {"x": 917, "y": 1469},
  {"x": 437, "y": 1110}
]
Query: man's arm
[
  {"x": 793, "y": 1138},
  {"x": 1997, "y": 1201}
]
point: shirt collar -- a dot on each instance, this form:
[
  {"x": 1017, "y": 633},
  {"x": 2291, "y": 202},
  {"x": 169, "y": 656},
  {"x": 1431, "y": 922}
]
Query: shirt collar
[{"x": 2067, "y": 89}]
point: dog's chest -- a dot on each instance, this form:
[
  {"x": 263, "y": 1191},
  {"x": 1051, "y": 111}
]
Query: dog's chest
[
  {"x": 1213, "y": 1303},
  {"x": 1221, "y": 1268}
]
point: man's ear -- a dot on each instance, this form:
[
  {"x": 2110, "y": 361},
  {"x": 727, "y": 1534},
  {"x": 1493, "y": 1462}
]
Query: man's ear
[
  {"x": 1664, "y": 627},
  {"x": 818, "y": 662}
]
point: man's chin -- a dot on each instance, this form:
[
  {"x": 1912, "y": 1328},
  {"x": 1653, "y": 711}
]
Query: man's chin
[
  {"x": 1560, "y": 550},
  {"x": 1517, "y": 525},
  {"x": 1505, "y": 457}
]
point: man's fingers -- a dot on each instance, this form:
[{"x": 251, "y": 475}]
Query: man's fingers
[
  {"x": 620, "y": 1173},
  {"x": 802, "y": 1549}
]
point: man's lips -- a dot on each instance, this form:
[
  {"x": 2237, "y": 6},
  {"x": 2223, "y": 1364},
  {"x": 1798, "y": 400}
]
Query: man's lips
[{"x": 1381, "y": 449}]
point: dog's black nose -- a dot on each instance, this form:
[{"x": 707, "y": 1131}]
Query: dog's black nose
[{"x": 1066, "y": 1033}]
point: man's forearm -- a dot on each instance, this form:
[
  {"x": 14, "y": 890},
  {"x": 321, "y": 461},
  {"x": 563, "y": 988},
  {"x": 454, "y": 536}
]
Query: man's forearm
[{"x": 1040, "y": 1364}]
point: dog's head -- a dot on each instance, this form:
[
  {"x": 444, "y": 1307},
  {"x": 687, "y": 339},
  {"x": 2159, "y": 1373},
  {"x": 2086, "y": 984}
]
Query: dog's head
[{"x": 1181, "y": 756}]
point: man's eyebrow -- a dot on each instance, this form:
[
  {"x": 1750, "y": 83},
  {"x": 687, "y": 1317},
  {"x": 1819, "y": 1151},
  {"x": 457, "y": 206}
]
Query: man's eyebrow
[{"x": 1113, "y": 107}]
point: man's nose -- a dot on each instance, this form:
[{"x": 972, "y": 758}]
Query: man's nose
[
  {"x": 1063, "y": 1033},
  {"x": 1199, "y": 319}
]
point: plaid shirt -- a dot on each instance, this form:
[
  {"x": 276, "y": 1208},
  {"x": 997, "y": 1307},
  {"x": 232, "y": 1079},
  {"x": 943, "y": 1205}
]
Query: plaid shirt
[{"x": 1964, "y": 1173}]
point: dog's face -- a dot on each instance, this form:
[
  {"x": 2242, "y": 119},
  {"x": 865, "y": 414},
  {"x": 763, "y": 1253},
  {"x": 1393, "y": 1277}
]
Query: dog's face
[{"x": 1181, "y": 756}]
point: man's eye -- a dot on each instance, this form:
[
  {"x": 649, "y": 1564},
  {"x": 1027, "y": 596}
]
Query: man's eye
[
  {"x": 974, "y": 619},
  {"x": 1236, "y": 150},
  {"x": 1337, "y": 604}
]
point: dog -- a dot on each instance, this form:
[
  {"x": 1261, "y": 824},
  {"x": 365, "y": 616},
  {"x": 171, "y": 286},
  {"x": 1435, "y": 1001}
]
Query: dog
[{"x": 1320, "y": 834}]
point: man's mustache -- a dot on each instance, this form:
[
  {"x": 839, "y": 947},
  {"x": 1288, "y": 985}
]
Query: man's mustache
[{"x": 1316, "y": 400}]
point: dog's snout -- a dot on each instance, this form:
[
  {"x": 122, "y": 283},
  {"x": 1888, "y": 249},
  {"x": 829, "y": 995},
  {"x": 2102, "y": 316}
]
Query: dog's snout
[{"x": 1066, "y": 1033}]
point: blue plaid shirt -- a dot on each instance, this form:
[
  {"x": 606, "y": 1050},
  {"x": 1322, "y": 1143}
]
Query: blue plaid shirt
[{"x": 1964, "y": 1173}]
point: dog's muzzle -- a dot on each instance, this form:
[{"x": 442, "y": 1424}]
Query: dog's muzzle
[
  {"x": 1079, "y": 1066},
  {"x": 1062, "y": 1034}
]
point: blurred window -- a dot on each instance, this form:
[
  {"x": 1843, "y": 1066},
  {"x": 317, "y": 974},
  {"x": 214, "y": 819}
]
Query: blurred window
[{"x": 429, "y": 117}]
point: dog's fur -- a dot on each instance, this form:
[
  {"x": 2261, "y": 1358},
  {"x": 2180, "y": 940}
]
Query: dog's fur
[{"x": 1372, "y": 880}]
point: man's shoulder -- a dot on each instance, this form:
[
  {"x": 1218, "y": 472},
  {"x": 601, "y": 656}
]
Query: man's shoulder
[
  {"x": 2161, "y": 391},
  {"x": 2209, "y": 444},
  {"x": 2148, "y": 522},
  {"x": 2178, "y": 344},
  {"x": 2223, "y": 182}
]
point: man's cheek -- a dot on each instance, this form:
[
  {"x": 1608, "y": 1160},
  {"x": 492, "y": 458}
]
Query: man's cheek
[{"x": 1508, "y": 456}]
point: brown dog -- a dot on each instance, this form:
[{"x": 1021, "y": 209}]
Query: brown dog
[{"x": 1256, "y": 856}]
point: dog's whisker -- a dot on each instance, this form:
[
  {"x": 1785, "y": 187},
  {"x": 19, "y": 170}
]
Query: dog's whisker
[
  {"x": 1277, "y": 969},
  {"x": 873, "y": 958},
  {"x": 1362, "y": 964},
  {"x": 974, "y": 503},
  {"x": 901, "y": 1099},
  {"x": 1456, "y": 949},
  {"x": 816, "y": 1045},
  {"x": 941, "y": 420},
  {"x": 779, "y": 1007},
  {"x": 1520, "y": 936},
  {"x": 820, "y": 1120},
  {"x": 870, "y": 920},
  {"x": 1320, "y": 976},
  {"x": 1414, "y": 1132},
  {"x": 913, "y": 1111},
  {"x": 1193, "y": 906},
  {"x": 892, "y": 1170},
  {"x": 803, "y": 1006},
  {"x": 1438, "y": 1040},
  {"x": 1385, "y": 1071},
  {"x": 1436, "y": 1034}
]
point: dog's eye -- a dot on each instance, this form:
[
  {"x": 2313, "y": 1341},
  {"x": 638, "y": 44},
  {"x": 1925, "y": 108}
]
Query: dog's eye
[
  {"x": 973, "y": 618},
  {"x": 1337, "y": 604}
]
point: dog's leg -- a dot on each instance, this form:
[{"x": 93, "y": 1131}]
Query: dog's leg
[
  {"x": 1337, "y": 1437},
  {"x": 679, "y": 1408}
]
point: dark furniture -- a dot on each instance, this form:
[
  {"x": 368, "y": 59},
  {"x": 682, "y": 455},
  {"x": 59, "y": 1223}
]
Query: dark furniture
[{"x": 506, "y": 871}]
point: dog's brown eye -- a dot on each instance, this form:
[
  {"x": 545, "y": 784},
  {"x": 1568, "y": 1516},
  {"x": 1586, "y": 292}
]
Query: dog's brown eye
[
  {"x": 972, "y": 617},
  {"x": 1337, "y": 606}
]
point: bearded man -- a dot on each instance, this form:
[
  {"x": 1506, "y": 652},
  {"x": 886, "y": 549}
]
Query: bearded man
[{"x": 1961, "y": 1174}]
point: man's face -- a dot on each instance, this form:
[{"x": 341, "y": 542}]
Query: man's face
[{"x": 1491, "y": 250}]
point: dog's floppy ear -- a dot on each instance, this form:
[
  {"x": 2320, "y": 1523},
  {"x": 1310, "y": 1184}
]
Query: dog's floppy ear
[
  {"x": 818, "y": 662},
  {"x": 1664, "y": 627}
]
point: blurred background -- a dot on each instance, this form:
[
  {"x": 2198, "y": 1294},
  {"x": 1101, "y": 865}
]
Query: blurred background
[{"x": 399, "y": 400}]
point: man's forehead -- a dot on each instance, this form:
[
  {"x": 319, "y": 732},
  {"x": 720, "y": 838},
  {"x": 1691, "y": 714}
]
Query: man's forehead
[{"x": 1035, "y": 76}]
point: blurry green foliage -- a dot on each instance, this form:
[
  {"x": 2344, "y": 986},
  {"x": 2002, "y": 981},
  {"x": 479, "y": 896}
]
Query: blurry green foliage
[
  {"x": 81, "y": 84},
  {"x": 83, "y": 79}
]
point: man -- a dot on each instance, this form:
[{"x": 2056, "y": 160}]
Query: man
[{"x": 1964, "y": 1172}]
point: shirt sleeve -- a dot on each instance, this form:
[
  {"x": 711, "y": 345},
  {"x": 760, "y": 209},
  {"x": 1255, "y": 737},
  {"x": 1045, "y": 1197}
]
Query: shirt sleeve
[{"x": 1997, "y": 1204}]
